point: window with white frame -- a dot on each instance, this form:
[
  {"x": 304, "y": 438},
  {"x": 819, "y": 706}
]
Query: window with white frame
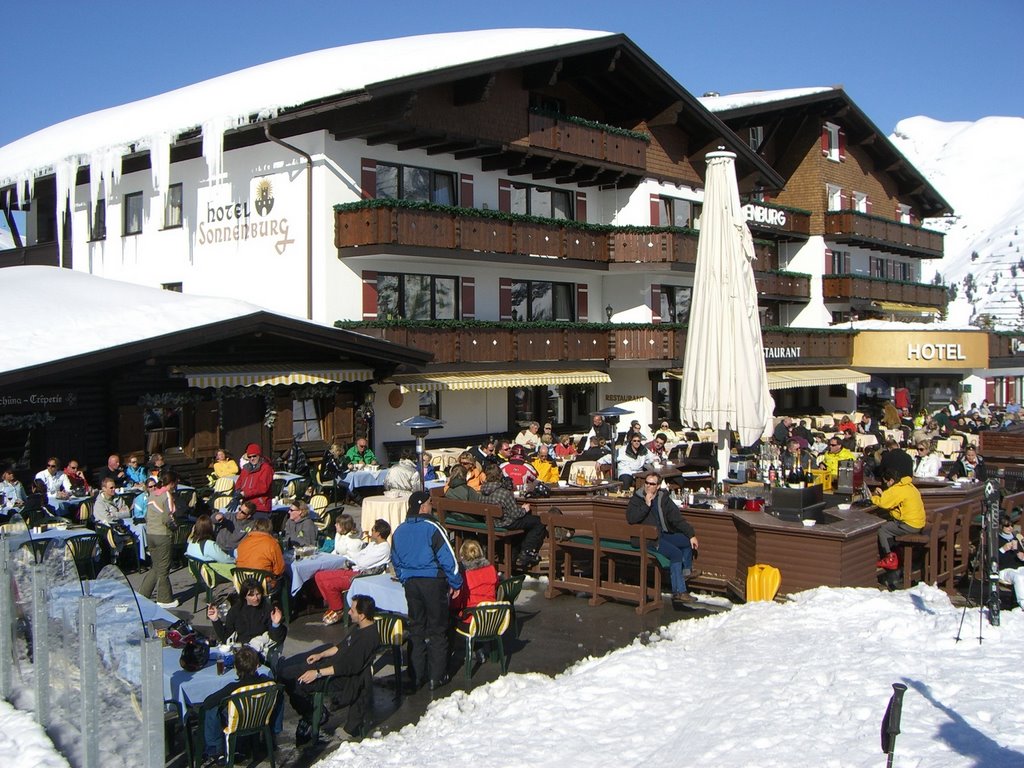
[
  {"x": 98, "y": 221},
  {"x": 831, "y": 134},
  {"x": 537, "y": 300},
  {"x": 406, "y": 182},
  {"x": 903, "y": 211},
  {"x": 756, "y": 137},
  {"x": 417, "y": 297},
  {"x": 834, "y": 197},
  {"x": 876, "y": 266},
  {"x": 172, "y": 207},
  {"x": 673, "y": 212},
  {"x": 860, "y": 202},
  {"x": 546, "y": 202},
  {"x": 305, "y": 424},
  {"x": 133, "y": 213},
  {"x": 838, "y": 262}
]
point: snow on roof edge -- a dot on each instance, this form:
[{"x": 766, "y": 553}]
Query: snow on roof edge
[{"x": 725, "y": 102}]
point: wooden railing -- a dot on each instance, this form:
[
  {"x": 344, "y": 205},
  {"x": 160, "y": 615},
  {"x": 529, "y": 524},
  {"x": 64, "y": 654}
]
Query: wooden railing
[
  {"x": 456, "y": 229},
  {"x": 789, "y": 286},
  {"x": 896, "y": 236},
  {"x": 42, "y": 255},
  {"x": 848, "y": 287},
  {"x": 548, "y": 132},
  {"x": 1005, "y": 346},
  {"x": 501, "y": 344}
]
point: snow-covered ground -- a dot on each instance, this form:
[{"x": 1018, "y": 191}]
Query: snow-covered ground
[
  {"x": 799, "y": 684},
  {"x": 23, "y": 744}
]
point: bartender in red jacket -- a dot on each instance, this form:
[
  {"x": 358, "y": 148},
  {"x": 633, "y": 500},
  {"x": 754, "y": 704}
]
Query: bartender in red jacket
[{"x": 255, "y": 478}]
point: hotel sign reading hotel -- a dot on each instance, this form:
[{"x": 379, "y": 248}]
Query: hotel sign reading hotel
[{"x": 896, "y": 350}]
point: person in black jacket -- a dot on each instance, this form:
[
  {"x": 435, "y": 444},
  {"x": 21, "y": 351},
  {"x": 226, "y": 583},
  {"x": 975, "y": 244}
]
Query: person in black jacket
[
  {"x": 347, "y": 663},
  {"x": 970, "y": 465},
  {"x": 896, "y": 458},
  {"x": 247, "y": 663},
  {"x": 249, "y": 617},
  {"x": 677, "y": 539}
]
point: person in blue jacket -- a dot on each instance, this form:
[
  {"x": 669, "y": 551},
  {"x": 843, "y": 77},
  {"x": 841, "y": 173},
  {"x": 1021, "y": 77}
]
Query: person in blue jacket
[{"x": 425, "y": 563}]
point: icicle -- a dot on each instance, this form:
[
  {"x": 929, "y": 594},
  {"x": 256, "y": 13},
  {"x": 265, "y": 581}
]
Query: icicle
[
  {"x": 95, "y": 180},
  {"x": 160, "y": 161},
  {"x": 65, "y": 172},
  {"x": 213, "y": 146}
]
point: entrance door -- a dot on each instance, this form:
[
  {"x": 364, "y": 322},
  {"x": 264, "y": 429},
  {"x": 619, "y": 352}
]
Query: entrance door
[{"x": 243, "y": 424}]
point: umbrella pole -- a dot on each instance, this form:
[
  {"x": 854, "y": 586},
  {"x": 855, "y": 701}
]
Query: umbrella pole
[{"x": 723, "y": 455}]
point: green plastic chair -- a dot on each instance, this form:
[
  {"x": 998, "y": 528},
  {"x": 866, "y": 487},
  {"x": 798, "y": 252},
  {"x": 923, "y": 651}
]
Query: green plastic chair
[
  {"x": 82, "y": 549},
  {"x": 250, "y": 710},
  {"x": 487, "y": 623},
  {"x": 391, "y": 632},
  {"x": 206, "y": 579},
  {"x": 281, "y": 590},
  {"x": 508, "y": 590}
]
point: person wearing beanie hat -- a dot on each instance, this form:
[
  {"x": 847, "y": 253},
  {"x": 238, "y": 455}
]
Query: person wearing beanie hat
[
  {"x": 426, "y": 565},
  {"x": 516, "y": 467},
  {"x": 255, "y": 479}
]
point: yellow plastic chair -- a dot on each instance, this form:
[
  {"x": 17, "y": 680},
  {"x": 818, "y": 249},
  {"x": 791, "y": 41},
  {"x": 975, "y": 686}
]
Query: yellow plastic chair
[{"x": 762, "y": 583}]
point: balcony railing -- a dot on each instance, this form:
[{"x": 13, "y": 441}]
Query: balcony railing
[
  {"x": 876, "y": 232},
  {"x": 783, "y": 285},
  {"x": 1005, "y": 349},
  {"x": 847, "y": 287},
  {"x": 397, "y": 223},
  {"x": 587, "y": 140},
  {"x": 42, "y": 255},
  {"x": 499, "y": 343}
]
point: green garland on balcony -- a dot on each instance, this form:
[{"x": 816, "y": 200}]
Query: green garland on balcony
[
  {"x": 412, "y": 325},
  {"x": 884, "y": 220},
  {"x": 784, "y": 273},
  {"x": 613, "y": 129},
  {"x": 889, "y": 280},
  {"x": 479, "y": 213}
]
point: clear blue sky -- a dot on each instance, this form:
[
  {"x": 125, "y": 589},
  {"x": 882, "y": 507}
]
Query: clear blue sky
[{"x": 948, "y": 59}]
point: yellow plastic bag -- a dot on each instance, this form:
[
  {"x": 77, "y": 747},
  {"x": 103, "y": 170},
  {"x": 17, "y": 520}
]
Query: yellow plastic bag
[{"x": 762, "y": 582}]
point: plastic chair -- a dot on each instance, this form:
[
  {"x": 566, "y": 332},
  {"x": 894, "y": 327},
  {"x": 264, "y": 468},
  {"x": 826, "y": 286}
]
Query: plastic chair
[
  {"x": 250, "y": 710},
  {"x": 82, "y": 549},
  {"x": 487, "y": 623},
  {"x": 391, "y": 631},
  {"x": 205, "y": 577},
  {"x": 508, "y": 590},
  {"x": 115, "y": 553},
  {"x": 317, "y": 505},
  {"x": 83, "y": 515}
]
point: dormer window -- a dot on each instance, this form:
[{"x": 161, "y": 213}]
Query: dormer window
[{"x": 833, "y": 142}]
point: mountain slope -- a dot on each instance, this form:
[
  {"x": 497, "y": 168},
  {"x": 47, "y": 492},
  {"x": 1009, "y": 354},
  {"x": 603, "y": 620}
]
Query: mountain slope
[{"x": 979, "y": 168}]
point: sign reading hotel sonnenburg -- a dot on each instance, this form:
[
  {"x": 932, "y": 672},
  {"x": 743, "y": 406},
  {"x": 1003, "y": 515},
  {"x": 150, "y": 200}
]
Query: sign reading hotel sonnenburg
[{"x": 953, "y": 350}]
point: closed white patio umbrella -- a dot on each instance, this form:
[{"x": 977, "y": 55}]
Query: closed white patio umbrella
[{"x": 724, "y": 377}]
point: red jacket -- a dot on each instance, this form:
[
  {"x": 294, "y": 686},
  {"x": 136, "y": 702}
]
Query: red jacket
[
  {"x": 519, "y": 471},
  {"x": 254, "y": 484},
  {"x": 479, "y": 585}
]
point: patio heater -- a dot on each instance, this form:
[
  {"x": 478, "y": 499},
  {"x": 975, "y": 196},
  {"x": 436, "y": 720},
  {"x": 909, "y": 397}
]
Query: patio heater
[
  {"x": 420, "y": 426},
  {"x": 612, "y": 414}
]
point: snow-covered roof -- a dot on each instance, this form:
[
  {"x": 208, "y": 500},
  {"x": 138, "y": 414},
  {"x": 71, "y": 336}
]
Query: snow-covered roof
[
  {"x": 229, "y": 100},
  {"x": 53, "y": 313},
  {"x": 729, "y": 101},
  {"x": 896, "y": 325}
]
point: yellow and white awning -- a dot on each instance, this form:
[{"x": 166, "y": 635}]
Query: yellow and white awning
[
  {"x": 913, "y": 309},
  {"x": 815, "y": 377},
  {"x": 249, "y": 376},
  {"x": 430, "y": 382}
]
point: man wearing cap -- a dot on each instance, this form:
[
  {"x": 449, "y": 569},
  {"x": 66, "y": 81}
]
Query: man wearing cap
[
  {"x": 255, "y": 478},
  {"x": 426, "y": 565},
  {"x": 516, "y": 468}
]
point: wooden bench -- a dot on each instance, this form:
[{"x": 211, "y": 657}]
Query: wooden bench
[
  {"x": 588, "y": 560},
  {"x": 475, "y": 517}
]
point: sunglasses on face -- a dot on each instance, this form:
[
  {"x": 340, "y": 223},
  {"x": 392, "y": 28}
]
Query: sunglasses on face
[{"x": 647, "y": 482}]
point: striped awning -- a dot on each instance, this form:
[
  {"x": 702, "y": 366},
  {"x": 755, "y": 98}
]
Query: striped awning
[
  {"x": 815, "y": 377},
  {"x": 910, "y": 309},
  {"x": 249, "y": 376},
  {"x": 429, "y": 382}
]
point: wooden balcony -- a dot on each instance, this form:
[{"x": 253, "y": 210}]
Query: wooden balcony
[
  {"x": 877, "y": 233},
  {"x": 848, "y": 287},
  {"x": 499, "y": 343},
  {"x": 784, "y": 286},
  {"x": 833, "y": 348},
  {"x": 42, "y": 255},
  {"x": 571, "y": 138},
  {"x": 1005, "y": 349},
  {"x": 442, "y": 229}
]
